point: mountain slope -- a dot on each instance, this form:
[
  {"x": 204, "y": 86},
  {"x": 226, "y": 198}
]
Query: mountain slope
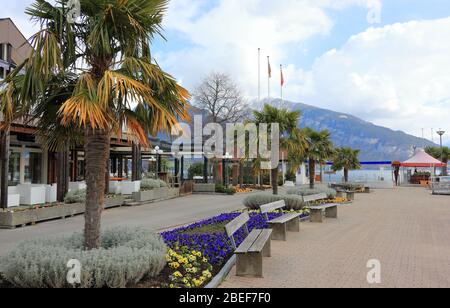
[{"x": 375, "y": 142}]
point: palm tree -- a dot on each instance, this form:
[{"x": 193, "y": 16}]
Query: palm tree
[
  {"x": 117, "y": 86},
  {"x": 296, "y": 145},
  {"x": 287, "y": 120},
  {"x": 320, "y": 148},
  {"x": 441, "y": 154},
  {"x": 346, "y": 159}
]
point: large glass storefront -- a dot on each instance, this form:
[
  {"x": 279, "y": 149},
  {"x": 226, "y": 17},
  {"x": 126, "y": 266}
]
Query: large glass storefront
[
  {"x": 25, "y": 166},
  {"x": 14, "y": 169},
  {"x": 33, "y": 167}
]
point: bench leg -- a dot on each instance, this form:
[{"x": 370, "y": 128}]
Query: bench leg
[
  {"x": 294, "y": 225},
  {"x": 279, "y": 232},
  {"x": 249, "y": 265},
  {"x": 331, "y": 212},
  {"x": 316, "y": 216},
  {"x": 267, "y": 250}
]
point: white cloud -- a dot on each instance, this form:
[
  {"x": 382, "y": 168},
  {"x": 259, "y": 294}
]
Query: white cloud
[
  {"x": 226, "y": 36},
  {"x": 397, "y": 76}
]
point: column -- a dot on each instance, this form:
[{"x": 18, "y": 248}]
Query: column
[
  {"x": 4, "y": 155},
  {"x": 205, "y": 170}
]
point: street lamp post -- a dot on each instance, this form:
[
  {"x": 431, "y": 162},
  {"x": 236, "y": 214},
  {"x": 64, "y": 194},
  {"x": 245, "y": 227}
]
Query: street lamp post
[
  {"x": 225, "y": 160},
  {"x": 158, "y": 152},
  {"x": 441, "y": 133}
]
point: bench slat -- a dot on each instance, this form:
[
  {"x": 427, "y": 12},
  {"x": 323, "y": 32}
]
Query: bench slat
[
  {"x": 317, "y": 197},
  {"x": 248, "y": 242},
  {"x": 285, "y": 218},
  {"x": 272, "y": 206},
  {"x": 237, "y": 224},
  {"x": 323, "y": 207},
  {"x": 261, "y": 241}
]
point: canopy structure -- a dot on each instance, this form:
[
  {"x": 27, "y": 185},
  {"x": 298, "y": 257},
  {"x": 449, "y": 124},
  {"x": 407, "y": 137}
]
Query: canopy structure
[{"x": 422, "y": 160}]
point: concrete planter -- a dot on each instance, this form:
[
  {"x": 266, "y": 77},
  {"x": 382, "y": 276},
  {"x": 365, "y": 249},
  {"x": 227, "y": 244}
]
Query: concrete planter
[
  {"x": 114, "y": 202},
  {"x": 11, "y": 220},
  {"x": 157, "y": 194},
  {"x": 204, "y": 188}
]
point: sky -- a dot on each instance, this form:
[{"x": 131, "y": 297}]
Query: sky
[{"x": 386, "y": 61}]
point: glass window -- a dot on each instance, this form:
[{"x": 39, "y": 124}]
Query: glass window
[
  {"x": 2, "y": 52},
  {"x": 14, "y": 169},
  {"x": 33, "y": 168}
]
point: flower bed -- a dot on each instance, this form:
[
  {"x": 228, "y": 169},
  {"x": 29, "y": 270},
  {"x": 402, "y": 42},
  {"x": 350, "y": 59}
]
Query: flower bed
[{"x": 209, "y": 236}]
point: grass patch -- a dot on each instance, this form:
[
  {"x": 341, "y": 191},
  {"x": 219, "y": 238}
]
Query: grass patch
[{"x": 208, "y": 229}]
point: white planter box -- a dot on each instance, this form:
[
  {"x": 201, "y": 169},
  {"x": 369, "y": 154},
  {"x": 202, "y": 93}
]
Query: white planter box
[
  {"x": 115, "y": 187},
  {"x": 31, "y": 194},
  {"x": 13, "y": 197},
  {"x": 128, "y": 188},
  {"x": 77, "y": 186},
  {"x": 51, "y": 193}
]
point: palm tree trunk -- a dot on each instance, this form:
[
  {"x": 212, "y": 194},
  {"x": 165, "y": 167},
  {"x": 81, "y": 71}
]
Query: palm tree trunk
[
  {"x": 4, "y": 151},
  {"x": 97, "y": 145},
  {"x": 241, "y": 174},
  {"x": 346, "y": 175},
  {"x": 275, "y": 180},
  {"x": 312, "y": 173}
]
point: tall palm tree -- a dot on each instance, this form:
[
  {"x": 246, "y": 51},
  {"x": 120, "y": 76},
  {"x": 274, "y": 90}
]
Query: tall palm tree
[
  {"x": 287, "y": 120},
  {"x": 296, "y": 145},
  {"x": 441, "y": 154},
  {"x": 346, "y": 159},
  {"x": 320, "y": 148},
  {"x": 117, "y": 86}
]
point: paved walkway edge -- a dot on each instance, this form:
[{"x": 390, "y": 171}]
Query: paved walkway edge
[{"x": 222, "y": 275}]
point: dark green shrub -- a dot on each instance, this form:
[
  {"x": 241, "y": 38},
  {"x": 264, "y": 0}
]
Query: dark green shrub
[{"x": 293, "y": 202}]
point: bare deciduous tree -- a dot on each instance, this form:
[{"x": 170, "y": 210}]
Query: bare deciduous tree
[{"x": 221, "y": 97}]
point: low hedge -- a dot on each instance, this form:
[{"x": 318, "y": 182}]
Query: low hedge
[
  {"x": 126, "y": 257},
  {"x": 255, "y": 201},
  {"x": 306, "y": 191},
  {"x": 75, "y": 196},
  {"x": 149, "y": 184}
]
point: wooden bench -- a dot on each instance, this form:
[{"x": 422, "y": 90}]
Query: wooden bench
[
  {"x": 316, "y": 211},
  {"x": 282, "y": 224},
  {"x": 350, "y": 195},
  {"x": 312, "y": 198},
  {"x": 249, "y": 255}
]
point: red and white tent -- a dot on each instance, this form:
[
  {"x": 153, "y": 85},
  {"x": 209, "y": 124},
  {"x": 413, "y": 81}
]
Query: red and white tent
[{"x": 423, "y": 160}]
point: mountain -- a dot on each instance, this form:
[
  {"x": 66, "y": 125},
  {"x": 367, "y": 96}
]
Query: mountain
[{"x": 375, "y": 142}]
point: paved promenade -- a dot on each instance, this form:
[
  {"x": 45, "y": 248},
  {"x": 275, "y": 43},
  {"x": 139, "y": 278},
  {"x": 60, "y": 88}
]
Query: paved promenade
[
  {"x": 406, "y": 229},
  {"x": 154, "y": 217}
]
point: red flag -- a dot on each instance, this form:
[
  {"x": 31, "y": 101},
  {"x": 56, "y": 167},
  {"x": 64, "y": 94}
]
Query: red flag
[
  {"x": 270, "y": 68},
  {"x": 282, "y": 76}
]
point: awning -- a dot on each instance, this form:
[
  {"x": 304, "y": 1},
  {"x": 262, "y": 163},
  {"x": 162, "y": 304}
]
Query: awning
[{"x": 423, "y": 160}]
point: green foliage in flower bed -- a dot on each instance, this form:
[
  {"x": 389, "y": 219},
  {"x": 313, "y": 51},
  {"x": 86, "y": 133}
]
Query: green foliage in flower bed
[
  {"x": 349, "y": 186},
  {"x": 293, "y": 202},
  {"x": 221, "y": 189},
  {"x": 306, "y": 191},
  {"x": 75, "y": 196},
  {"x": 149, "y": 184},
  {"x": 127, "y": 256}
]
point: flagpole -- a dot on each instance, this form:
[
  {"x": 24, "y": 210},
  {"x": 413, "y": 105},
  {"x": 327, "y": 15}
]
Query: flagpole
[
  {"x": 268, "y": 77},
  {"x": 281, "y": 83},
  {"x": 259, "y": 75}
]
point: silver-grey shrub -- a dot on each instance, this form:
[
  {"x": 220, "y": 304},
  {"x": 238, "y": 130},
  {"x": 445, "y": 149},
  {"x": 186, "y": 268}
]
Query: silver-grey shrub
[
  {"x": 255, "y": 201},
  {"x": 149, "y": 184},
  {"x": 127, "y": 256},
  {"x": 75, "y": 196},
  {"x": 306, "y": 191}
]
